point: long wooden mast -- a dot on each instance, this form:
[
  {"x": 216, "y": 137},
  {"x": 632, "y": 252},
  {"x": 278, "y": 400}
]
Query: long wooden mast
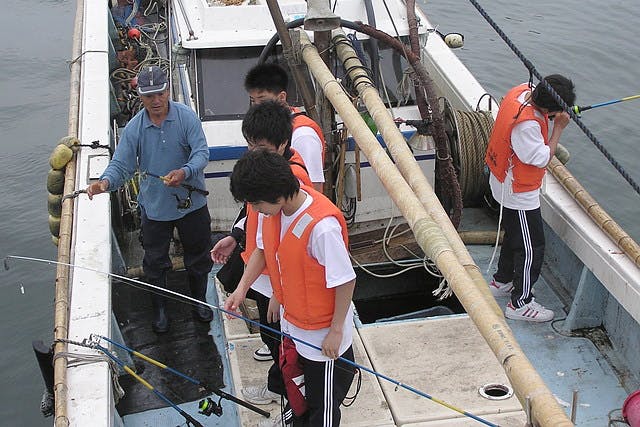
[{"x": 435, "y": 243}]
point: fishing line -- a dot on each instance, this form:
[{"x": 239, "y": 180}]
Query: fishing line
[{"x": 397, "y": 383}]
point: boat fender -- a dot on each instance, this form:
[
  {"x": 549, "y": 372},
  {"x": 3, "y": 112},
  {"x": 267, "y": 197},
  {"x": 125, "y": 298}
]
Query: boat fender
[
  {"x": 454, "y": 40},
  {"x": 71, "y": 142},
  {"x": 60, "y": 156},
  {"x": 54, "y": 204},
  {"x": 54, "y": 225},
  {"x": 55, "y": 181}
]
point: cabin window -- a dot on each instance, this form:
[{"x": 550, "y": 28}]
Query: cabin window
[{"x": 221, "y": 72}]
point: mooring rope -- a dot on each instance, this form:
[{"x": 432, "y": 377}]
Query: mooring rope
[
  {"x": 556, "y": 97},
  {"x": 194, "y": 301}
]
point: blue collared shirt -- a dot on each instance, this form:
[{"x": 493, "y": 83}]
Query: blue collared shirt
[{"x": 178, "y": 143}]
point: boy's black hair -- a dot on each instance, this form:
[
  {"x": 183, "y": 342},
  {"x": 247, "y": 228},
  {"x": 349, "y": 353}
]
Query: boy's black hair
[
  {"x": 262, "y": 176},
  {"x": 563, "y": 87},
  {"x": 270, "y": 121},
  {"x": 270, "y": 77}
]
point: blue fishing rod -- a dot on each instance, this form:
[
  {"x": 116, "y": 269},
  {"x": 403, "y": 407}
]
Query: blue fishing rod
[
  {"x": 577, "y": 109},
  {"x": 96, "y": 346},
  {"x": 275, "y": 331}
]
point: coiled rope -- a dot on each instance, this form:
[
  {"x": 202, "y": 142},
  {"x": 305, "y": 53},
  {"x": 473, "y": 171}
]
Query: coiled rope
[
  {"x": 556, "y": 97},
  {"x": 468, "y": 149}
]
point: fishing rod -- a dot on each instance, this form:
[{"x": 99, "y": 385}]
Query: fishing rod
[
  {"x": 251, "y": 321},
  {"x": 96, "y": 346},
  {"x": 216, "y": 408},
  {"x": 190, "y": 188},
  {"x": 576, "y": 109}
]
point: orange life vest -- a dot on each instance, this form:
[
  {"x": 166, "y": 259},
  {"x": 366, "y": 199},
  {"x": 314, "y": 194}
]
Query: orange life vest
[
  {"x": 298, "y": 280},
  {"x": 251, "y": 221},
  {"x": 298, "y": 168},
  {"x": 500, "y": 156},
  {"x": 300, "y": 120}
]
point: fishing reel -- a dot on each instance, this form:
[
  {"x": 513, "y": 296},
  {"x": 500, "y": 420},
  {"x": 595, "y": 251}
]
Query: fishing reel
[{"x": 208, "y": 406}]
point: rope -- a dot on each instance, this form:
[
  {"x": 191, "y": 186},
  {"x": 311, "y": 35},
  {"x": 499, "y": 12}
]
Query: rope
[
  {"x": 556, "y": 97},
  {"x": 473, "y": 131}
]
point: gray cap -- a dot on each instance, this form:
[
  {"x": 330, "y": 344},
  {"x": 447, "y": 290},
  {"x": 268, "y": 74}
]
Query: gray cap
[{"x": 152, "y": 80}]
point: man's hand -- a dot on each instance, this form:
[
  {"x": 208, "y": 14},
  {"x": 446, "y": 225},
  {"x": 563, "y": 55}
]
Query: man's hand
[
  {"x": 331, "y": 344},
  {"x": 273, "y": 311},
  {"x": 174, "y": 178},
  {"x": 97, "y": 188},
  {"x": 233, "y": 301},
  {"x": 561, "y": 120},
  {"x": 223, "y": 249}
]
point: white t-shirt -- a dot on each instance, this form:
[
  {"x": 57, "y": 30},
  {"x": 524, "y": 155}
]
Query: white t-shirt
[
  {"x": 306, "y": 142},
  {"x": 528, "y": 144},
  {"x": 327, "y": 247}
]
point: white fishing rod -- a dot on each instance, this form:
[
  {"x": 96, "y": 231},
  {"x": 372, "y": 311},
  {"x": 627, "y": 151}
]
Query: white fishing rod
[{"x": 275, "y": 331}]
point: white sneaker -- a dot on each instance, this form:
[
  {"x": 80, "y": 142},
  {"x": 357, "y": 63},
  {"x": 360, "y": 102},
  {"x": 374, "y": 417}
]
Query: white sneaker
[
  {"x": 262, "y": 354},
  {"x": 532, "y": 312},
  {"x": 260, "y": 395},
  {"x": 276, "y": 421},
  {"x": 499, "y": 289}
]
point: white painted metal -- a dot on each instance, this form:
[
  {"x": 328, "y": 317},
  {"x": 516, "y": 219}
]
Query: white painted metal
[
  {"x": 90, "y": 400},
  {"x": 593, "y": 246}
]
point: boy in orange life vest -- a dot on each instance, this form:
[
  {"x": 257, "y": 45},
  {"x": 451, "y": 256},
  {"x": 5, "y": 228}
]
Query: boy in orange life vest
[
  {"x": 303, "y": 243},
  {"x": 518, "y": 153},
  {"x": 268, "y": 82},
  {"x": 265, "y": 126}
]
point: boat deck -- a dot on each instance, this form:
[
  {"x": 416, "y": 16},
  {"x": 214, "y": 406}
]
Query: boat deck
[{"x": 444, "y": 357}]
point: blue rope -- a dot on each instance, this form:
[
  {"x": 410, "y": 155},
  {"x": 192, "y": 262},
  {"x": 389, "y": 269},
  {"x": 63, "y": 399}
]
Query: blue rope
[{"x": 557, "y": 98}]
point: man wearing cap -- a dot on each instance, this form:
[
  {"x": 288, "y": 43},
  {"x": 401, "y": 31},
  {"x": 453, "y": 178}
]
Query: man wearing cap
[{"x": 165, "y": 139}]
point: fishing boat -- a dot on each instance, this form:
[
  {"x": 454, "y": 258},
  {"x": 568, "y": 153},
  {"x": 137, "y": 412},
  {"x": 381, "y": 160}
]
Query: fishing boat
[{"x": 424, "y": 359}]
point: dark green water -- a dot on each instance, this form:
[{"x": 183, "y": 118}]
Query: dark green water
[{"x": 593, "y": 42}]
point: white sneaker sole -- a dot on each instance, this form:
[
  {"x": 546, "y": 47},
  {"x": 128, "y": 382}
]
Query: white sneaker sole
[
  {"x": 260, "y": 357},
  {"x": 514, "y": 316}
]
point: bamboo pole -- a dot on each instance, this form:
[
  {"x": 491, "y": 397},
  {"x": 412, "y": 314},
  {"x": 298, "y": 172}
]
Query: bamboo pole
[
  {"x": 406, "y": 162},
  {"x": 492, "y": 326},
  {"x": 595, "y": 211},
  {"x": 61, "y": 300}
]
